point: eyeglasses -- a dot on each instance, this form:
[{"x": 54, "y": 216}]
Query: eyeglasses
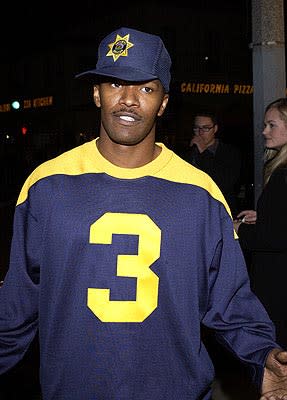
[{"x": 204, "y": 129}]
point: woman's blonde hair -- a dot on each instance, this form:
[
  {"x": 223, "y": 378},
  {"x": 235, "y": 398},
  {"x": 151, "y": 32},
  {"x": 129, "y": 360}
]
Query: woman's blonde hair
[{"x": 274, "y": 158}]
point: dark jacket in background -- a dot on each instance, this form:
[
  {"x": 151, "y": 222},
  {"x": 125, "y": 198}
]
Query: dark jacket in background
[
  {"x": 223, "y": 163},
  {"x": 267, "y": 242}
]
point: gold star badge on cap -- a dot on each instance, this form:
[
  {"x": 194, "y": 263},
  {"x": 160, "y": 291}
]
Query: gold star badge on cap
[{"x": 119, "y": 48}]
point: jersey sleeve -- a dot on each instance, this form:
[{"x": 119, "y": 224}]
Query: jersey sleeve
[
  {"x": 240, "y": 322},
  {"x": 19, "y": 292}
]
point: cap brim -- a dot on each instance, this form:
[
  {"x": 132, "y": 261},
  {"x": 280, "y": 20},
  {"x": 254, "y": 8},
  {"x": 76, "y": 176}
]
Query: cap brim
[{"x": 123, "y": 73}]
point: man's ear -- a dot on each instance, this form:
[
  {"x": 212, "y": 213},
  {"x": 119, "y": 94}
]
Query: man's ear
[
  {"x": 163, "y": 105},
  {"x": 97, "y": 97}
]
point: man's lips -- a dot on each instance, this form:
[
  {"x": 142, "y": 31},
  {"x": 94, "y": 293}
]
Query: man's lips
[{"x": 127, "y": 116}]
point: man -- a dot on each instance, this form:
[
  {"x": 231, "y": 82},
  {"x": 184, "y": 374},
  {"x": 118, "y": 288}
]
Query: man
[
  {"x": 222, "y": 161},
  {"x": 121, "y": 250}
]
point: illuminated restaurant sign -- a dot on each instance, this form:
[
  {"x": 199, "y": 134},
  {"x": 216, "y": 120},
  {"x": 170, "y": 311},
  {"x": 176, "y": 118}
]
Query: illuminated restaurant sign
[
  {"x": 29, "y": 103},
  {"x": 215, "y": 88}
]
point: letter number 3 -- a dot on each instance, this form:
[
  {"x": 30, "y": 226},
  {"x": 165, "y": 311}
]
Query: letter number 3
[{"x": 131, "y": 265}]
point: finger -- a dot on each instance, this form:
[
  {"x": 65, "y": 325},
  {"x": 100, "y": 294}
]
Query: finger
[
  {"x": 274, "y": 397},
  {"x": 281, "y": 357}
]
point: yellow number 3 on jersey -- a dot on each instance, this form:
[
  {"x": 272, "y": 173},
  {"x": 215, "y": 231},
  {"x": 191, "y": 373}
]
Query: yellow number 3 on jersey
[{"x": 137, "y": 266}]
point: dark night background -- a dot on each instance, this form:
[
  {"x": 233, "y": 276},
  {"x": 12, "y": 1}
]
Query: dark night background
[{"x": 45, "y": 44}]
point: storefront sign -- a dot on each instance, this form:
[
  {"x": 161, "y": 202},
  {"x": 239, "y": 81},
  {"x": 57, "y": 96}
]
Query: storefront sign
[
  {"x": 29, "y": 103},
  {"x": 215, "y": 88}
]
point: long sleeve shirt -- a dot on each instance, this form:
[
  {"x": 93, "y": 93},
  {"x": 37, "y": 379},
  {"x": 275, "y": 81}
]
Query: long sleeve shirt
[{"x": 118, "y": 269}]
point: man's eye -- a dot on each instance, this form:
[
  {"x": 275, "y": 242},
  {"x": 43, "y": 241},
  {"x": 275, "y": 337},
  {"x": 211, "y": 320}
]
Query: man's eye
[
  {"x": 147, "y": 89},
  {"x": 116, "y": 84}
]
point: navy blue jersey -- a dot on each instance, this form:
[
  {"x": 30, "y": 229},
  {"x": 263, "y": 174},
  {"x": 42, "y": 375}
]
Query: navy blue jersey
[{"x": 118, "y": 268}]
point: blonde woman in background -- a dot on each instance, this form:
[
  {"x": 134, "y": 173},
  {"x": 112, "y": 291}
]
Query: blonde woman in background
[{"x": 263, "y": 232}]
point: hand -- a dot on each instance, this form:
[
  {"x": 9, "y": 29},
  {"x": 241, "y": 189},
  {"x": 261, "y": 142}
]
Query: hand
[
  {"x": 236, "y": 223},
  {"x": 247, "y": 216},
  {"x": 199, "y": 142},
  {"x": 274, "y": 384}
]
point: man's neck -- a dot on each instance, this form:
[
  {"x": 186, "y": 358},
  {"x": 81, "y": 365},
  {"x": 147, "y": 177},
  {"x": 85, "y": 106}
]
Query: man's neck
[{"x": 124, "y": 156}]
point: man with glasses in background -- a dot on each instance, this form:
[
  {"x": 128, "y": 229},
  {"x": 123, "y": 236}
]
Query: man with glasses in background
[{"x": 222, "y": 161}]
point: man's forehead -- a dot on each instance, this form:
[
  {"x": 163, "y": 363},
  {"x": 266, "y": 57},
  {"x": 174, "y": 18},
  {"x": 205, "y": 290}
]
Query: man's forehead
[{"x": 203, "y": 119}]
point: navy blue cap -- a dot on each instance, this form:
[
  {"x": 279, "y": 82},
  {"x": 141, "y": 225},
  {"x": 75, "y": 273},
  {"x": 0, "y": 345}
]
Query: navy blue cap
[{"x": 132, "y": 55}]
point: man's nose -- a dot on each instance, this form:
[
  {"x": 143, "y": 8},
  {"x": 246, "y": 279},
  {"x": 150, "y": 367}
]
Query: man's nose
[{"x": 129, "y": 95}]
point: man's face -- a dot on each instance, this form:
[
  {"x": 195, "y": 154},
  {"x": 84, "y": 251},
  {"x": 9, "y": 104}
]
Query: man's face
[
  {"x": 129, "y": 110},
  {"x": 205, "y": 130}
]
